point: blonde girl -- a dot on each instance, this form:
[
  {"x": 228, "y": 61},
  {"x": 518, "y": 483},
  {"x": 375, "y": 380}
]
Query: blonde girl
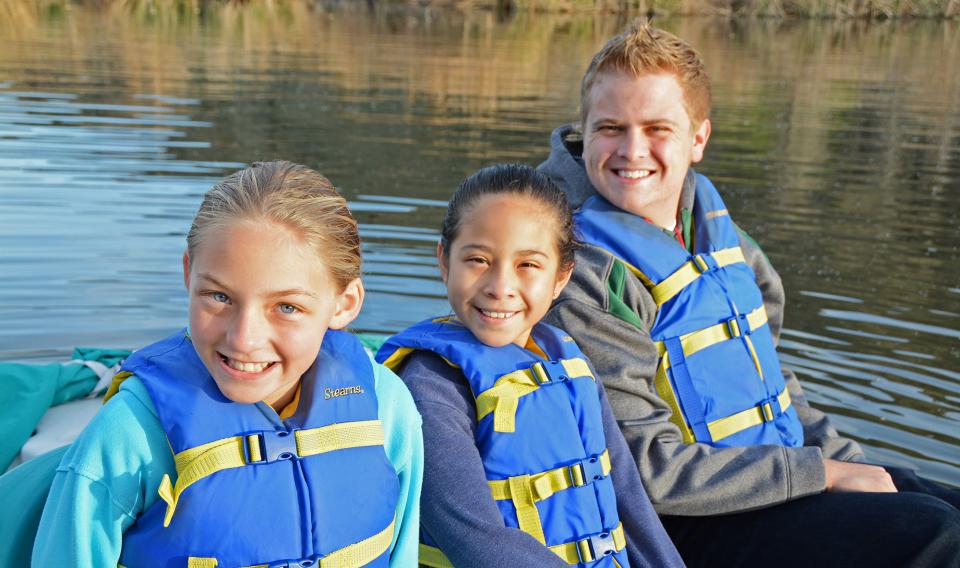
[{"x": 262, "y": 434}]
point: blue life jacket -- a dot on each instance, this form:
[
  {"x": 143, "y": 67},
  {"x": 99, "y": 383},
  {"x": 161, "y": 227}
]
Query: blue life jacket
[
  {"x": 252, "y": 489},
  {"x": 540, "y": 436},
  {"x": 718, "y": 369}
]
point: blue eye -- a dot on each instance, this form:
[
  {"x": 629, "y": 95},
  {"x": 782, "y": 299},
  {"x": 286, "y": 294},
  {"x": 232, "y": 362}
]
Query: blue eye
[
  {"x": 288, "y": 309},
  {"x": 220, "y": 297}
]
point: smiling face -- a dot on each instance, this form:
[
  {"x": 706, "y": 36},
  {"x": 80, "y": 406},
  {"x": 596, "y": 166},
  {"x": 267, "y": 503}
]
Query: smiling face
[
  {"x": 502, "y": 270},
  {"x": 639, "y": 142},
  {"x": 260, "y": 302}
]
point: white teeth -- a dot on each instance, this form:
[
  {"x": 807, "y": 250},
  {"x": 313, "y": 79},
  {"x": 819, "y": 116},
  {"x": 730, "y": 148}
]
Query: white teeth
[
  {"x": 633, "y": 174},
  {"x": 496, "y": 315},
  {"x": 246, "y": 367}
]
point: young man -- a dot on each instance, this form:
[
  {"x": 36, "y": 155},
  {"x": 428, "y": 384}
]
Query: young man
[{"x": 680, "y": 312}]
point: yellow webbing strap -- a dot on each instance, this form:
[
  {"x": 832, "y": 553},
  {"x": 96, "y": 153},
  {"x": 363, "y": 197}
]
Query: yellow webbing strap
[
  {"x": 723, "y": 427},
  {"x": 114, "y": 387},
  {"x": 690, "y": 271},
  {"x": 662, "y": 383},
  {"x": 195, "y": 463},
  {"x": 579, "y": 551},
  {"x": 360, "y": 553},
  {"x": 716, "y": 213},
  {"x": 703, "y": 338},
  {"x": 393, "y": 361},
  {"x": 433, "y": 557},
  {"x": 352, "y": 556},
  {"x": 339, "y": 437},
  {"x": 528, "y": 517},
  {"x": 544, "y": 485},
  {"x": 503, "y": 397}
]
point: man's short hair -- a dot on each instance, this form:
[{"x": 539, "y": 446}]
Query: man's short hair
[{"x": 641, "y": 50}]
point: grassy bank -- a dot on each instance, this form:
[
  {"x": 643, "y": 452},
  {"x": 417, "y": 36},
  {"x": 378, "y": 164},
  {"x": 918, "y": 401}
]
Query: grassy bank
[
  {"x": 876, "y": 9},
  {"x": 833, "y": 9}
]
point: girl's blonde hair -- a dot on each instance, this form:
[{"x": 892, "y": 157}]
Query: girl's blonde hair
[{"x": 293, "y": 196}]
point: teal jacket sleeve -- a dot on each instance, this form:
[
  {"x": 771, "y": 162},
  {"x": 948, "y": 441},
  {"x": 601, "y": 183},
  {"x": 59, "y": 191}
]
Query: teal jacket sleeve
[
  {"x": 107, "y": 478},
  {"x": 404, "y": 447}
]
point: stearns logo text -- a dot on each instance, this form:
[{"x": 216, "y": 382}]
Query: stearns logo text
[{"x": 334, "y": 393}]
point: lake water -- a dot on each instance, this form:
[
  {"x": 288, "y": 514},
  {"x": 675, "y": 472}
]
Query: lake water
[{"x": 836, "y": 145}]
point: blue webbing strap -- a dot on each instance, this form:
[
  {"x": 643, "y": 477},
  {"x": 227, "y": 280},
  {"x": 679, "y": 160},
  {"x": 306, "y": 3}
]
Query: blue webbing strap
[{"x": 689, "y": 399}]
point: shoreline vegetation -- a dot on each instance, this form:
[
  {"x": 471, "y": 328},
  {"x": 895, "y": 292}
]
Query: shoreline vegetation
[
  {"x": 734, "y": 9},
  {"x": 819, "y": 9}
]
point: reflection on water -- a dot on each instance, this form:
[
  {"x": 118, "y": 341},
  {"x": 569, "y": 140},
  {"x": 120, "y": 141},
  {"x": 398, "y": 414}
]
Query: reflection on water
[{"x": 837, "y": 145}]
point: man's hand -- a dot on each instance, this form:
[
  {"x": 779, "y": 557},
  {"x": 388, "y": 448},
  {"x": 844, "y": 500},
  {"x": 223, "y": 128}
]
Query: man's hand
[{"x": 847, "y": 476}]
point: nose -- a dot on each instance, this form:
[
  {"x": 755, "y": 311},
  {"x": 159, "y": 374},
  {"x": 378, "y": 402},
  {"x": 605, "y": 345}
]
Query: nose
[
  {"x": 501, "y": 281},
  {"x": 248, "y": 331},
  {"x": 634, "y": 145}
]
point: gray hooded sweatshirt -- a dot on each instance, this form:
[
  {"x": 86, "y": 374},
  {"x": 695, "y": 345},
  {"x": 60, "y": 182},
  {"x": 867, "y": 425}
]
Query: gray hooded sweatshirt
[{"x": 609, "y": 313}]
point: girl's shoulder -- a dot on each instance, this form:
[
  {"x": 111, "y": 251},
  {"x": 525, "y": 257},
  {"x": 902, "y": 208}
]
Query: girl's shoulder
[
  {"x": 123, "y": 447},
  {"x": 393, "y": 397},
  {"x": 124, "y": 430}
]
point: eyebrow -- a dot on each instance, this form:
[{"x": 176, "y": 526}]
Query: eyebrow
[
  {"x": 485, "y": 248},
  {"x": 276, "y": 294},
  {"x": 611, "y": 120}
]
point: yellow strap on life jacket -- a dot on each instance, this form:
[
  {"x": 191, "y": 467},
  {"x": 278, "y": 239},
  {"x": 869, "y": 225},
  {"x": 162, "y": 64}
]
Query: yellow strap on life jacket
[
  {"x": 527, "y": 490},
  {"x": 528, "y": 517},
  {"x": 195, "y": 463},
  {"x": 721, "y": 427},
  {"x": 114, "y": 387},
  {"x": 545, "y": 484},
  {"x": 590, "y": 549},
  {"x": 503, "y": 397},
  {"x": 703, "y": 338},
  {"x": 360, "y": 553},
  {"x": 393, "y": 361},
  {"x": 433, "y": 557},
  {"x": 573, "y": 552},
  {"x": 690, "y": 271},
  {"x": 351, "y": 556}
]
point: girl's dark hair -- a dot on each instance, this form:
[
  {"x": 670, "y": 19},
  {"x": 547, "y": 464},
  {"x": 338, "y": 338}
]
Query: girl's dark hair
[{"x": 519, "y": 179}]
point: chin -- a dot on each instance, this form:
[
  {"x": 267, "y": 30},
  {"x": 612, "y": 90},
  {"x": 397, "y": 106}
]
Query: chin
[{"x": 240, "y": 396}]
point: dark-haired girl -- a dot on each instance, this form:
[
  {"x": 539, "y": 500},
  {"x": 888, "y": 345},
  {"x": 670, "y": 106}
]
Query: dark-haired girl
[{"x": 524, "y": 463}]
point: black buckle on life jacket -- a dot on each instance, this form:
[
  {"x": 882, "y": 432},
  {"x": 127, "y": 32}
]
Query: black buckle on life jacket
[
  {"x": 770, "y": 409},
  {"x": 700, "y": 263},
  {"x": 600, "y": 545},
  {"x": 549, "y": 371},
  {"x": 738, "y": 326},
  {"x": 275, "y": 445},
  {"x": 592, "y": 470},
  {"x": 303, "y": 563}
]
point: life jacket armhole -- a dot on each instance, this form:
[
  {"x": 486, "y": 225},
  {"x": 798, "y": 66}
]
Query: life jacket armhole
[
  {"x": 114, "y": 387},
  {"x": 665, "y": 391},
  {"x": 616, "y": 284}
]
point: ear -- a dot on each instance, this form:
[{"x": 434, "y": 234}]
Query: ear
[
  {"x": 349, "y": 303},
  {"x": 442, "y": 262},
  {"x": 563, "y": 277},
  {"x": 186, "y": 270},
  {"x": 700, "y": 137}
]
